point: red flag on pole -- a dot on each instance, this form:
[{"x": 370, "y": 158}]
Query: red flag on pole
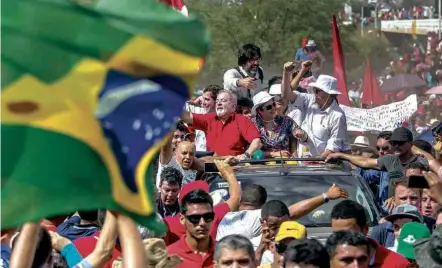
[
  {"x": 371, "y": 93},
  {"x": 339, "y": 65}
]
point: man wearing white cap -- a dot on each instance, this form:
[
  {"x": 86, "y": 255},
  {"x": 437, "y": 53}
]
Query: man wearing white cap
[
  {"x": 325, "y": 122},
  {"x": 316, "y": 57}
]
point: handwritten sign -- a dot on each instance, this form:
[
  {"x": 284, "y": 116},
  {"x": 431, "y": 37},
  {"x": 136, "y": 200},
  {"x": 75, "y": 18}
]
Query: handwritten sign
[{"x": 382, "y": 118}]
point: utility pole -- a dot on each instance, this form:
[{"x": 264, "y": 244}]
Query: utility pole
[{"x": 362, "y": 21}]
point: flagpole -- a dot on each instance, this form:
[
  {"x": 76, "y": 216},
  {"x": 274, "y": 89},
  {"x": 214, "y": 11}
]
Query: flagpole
[
  {"x": 362, "y": 21},
  {"x": 439, "y": 16}
]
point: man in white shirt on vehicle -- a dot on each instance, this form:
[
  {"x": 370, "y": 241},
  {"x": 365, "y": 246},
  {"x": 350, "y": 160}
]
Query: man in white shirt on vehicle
[
  {"x": 324, "y": 121},
  {"x": 246, "y": 79}
]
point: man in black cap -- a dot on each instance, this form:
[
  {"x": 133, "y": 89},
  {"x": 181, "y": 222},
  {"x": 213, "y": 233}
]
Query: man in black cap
[{"x": 396, "y": 163}]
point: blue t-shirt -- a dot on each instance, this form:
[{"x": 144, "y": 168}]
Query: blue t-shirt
[
  {"x": 301, "y": 55},
  {"x": 72, "y": 229},
  {"x": 5, "y": 256}
]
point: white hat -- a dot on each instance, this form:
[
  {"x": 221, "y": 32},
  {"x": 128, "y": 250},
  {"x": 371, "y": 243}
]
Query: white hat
[
  {"x": 327, "y": 84},
  {"x": 259, "y": 99},
  {"x": 433, "y": 121},
  {"x": 275, "y": 89},
  {"x": 361, "y": 141},
  {"x": 311, "y": 43},
  {"x": 432, "y": 97}
]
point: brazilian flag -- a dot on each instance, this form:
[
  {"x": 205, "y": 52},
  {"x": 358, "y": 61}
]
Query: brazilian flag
[{"x": 89, "y": 91}]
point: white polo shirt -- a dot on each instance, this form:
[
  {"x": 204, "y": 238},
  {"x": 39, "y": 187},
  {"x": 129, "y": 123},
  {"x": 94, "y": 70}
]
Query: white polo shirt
[{"x": 326, "y": 129}]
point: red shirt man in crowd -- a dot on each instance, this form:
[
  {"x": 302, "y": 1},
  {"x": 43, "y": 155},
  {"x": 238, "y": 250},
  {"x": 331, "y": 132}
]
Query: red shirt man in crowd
[
  {"x": 196, "y": 247},
  {"x": 176, "y": 229},
  {"x": 227, "y": 133},
  {"x": 350, "y": 215}
]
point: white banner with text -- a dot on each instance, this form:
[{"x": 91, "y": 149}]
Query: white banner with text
[{"x": 382, "y": 118}]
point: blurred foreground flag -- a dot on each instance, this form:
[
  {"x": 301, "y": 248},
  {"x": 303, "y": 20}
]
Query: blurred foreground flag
[{"x": 89, "y": 89}]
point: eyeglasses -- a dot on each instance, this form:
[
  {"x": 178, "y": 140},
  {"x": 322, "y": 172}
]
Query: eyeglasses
[
  {"x": 254, "y": 60},
  {"x": 316, "y": 90},
  {"x": 276, "y": 97},
  {"x": 196, "y": 218},
  {"x": 383, "y": 148},
  {"x": 398, "y": 143},
  {"x": 280, "y": 248},
  {"x": 268, "y": 107}
]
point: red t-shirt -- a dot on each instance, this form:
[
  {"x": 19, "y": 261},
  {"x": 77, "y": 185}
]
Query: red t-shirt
[
  {"x": 175, "y": 230},
  {"x": 85, "y": 245},
  {"x": 229, "y": 138},
  {"x": 190, "y": 258},
  {"x": 385, "y": 258}
]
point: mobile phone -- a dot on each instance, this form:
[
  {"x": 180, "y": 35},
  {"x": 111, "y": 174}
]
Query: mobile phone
[
  {"x": 437, "y": 130},
  {"x": 210, "y": 167},
  {"x": 417, "y": 181}
]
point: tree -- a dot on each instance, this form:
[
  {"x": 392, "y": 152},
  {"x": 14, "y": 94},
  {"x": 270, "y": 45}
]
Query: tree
[{"x": 276, "y": 26}]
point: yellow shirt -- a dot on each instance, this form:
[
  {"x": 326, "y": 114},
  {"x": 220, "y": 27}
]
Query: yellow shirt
[{"x": 265, "y": 266}]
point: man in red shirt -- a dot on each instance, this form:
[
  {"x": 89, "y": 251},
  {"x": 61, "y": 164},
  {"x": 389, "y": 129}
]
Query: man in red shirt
[
  {"x": 86, "y": 245},
  {"x": 350, "y": 215},
  {"x": 227, "y": 133},
  {"x": 176, "y": 229},
  {"x": 196, "y": 248}
]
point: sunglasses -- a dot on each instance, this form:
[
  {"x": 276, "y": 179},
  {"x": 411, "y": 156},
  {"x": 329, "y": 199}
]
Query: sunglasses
[
  {"x": 399, "y": 143},
  {"x": 268, "y": 107},
  {"x": 280, "y": 248},
  {"x": 383, "y": 148},
  {"x": 196, "y": 218}
]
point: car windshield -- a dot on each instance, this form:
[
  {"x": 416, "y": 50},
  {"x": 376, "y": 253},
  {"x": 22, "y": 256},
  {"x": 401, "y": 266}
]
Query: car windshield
[{"x": 294, "y": 188}]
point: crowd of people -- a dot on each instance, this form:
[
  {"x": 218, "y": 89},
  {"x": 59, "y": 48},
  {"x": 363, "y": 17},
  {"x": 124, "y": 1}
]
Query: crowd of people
[{"x": 295, "y": 115}]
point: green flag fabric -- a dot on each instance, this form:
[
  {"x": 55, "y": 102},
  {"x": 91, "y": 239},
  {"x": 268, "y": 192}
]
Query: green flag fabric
[{"x": 89, "y": 91}]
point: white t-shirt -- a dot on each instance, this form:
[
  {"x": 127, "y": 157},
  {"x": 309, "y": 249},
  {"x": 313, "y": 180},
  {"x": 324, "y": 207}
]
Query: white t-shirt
[
  {"x": 189, "y": 174},
  {"x": 200, "y": 141},
  {"x": 245, "y": 222}
]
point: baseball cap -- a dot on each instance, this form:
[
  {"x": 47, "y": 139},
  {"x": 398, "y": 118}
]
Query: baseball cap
[
  {"x": 405, "y": 211},
  {"x": 290, "y": 229},
  {"x": 401, "y": 134},
  {"x": 201, "y": 185},
  {"x": 408, "y": 236},
  {"x": 428, "y": 251}
]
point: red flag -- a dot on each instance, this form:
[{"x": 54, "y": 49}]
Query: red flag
[
  {"x": 339, "y": 65},
  {"x": 371, "y": 93}
]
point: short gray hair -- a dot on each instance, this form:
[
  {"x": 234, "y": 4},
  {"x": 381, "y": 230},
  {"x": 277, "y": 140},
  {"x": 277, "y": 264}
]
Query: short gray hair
[
  {"x": 231, "y": 94},
  {"x": 234, "y": 242}
]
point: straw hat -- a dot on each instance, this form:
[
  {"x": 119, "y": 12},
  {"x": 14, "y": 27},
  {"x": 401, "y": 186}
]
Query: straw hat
[{"x": 156, "y": 255}]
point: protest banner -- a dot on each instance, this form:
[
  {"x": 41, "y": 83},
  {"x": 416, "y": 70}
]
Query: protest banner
[{"x": 381, "y": 118}]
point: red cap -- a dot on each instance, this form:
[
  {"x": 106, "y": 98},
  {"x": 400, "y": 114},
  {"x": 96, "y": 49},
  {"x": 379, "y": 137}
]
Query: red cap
[
  {"x": 202, "y": 185},
  {"x": 304, "y": 42}
]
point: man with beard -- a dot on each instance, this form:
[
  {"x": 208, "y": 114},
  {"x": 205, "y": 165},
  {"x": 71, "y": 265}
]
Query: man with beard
[
  {"x": 246, "y": 79},
  {"x": 227, "y": 133},
  {"x": 196, "y": 248}
]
